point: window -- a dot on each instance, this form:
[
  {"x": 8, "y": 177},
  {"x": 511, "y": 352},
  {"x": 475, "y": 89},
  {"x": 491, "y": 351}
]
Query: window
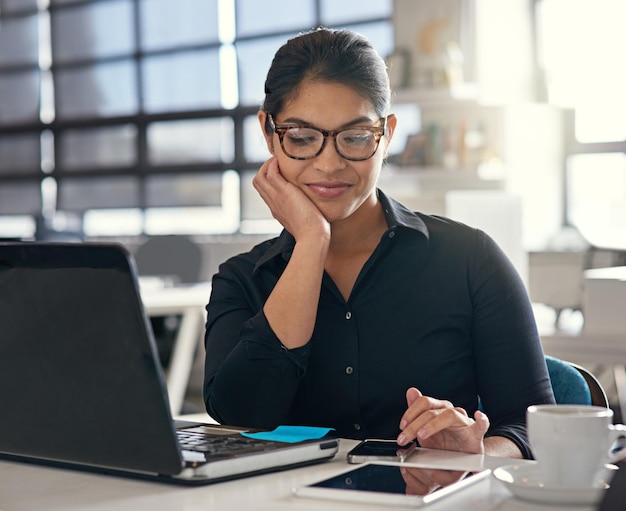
[
  {"x": 581, "y": 47},
  {"x": 149, "y": 128}
]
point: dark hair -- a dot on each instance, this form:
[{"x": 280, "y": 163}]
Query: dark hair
[{"x": 339, "y": 56}]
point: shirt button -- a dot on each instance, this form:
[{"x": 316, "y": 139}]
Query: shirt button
[
  {"x": 392, "y": 234},
  {"x": 357, "y": 427},
  {"x": 349, "y": 370},
  {"x": 348, "y": 315}
]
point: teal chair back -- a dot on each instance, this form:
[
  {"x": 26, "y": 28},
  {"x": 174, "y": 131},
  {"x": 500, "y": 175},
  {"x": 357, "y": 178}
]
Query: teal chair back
[{"x": 573, "y": 384}]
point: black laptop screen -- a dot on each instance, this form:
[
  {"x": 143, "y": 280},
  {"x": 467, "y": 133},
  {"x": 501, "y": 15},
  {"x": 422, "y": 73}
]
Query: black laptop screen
[{"x": 80, "y": 379}]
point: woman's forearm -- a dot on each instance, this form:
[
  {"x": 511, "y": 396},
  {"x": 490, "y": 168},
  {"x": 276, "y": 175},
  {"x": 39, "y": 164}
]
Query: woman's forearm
[
  {"x": 501, "y": 446},
  {"x": 291, "y": 308}
]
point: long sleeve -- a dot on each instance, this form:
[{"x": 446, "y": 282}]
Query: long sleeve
[
  {"x": 250, "y": 378},
  {"x": 510, "y": 364}
]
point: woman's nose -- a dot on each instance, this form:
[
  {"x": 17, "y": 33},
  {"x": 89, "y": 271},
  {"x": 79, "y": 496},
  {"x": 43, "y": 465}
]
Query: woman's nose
[{"x": 329, "y": 159}]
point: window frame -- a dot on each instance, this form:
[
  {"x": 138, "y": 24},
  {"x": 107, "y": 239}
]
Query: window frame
[
  {"x": 141, "y": 169},
  {"x": 571, "y": 145}
]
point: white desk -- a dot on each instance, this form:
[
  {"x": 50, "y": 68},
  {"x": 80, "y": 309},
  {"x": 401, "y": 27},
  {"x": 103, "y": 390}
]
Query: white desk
[
  {"x": 190, "y": 302},
  {"x": 28, "y": 487}
]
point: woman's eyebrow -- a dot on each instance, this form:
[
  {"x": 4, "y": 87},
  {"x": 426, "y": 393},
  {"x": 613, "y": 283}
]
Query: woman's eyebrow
[{"x": 301, "y": 122}]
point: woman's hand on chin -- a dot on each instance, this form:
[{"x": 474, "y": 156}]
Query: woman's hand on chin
[{"x": 290, "y": 205}]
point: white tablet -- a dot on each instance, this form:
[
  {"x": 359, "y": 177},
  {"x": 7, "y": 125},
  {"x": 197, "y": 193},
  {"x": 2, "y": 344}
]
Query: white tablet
[{"x": 392, "y": 484}]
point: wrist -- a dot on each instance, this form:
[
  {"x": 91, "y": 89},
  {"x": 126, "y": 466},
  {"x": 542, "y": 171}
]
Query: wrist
[{"x": 313, "y": 244}]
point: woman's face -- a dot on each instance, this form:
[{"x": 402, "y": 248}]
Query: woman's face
[{"x": 337, "y": 186}]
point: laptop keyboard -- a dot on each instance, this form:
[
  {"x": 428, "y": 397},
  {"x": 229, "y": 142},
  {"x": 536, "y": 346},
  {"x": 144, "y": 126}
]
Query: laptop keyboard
[{"x": 218, "y": 445}]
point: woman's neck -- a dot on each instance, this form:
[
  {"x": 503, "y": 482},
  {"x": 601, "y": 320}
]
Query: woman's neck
[{"x": 362, "y": 230}]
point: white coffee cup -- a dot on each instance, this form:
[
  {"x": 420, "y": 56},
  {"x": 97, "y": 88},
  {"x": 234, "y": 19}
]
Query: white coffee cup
[{"x": 572, "y": 443}]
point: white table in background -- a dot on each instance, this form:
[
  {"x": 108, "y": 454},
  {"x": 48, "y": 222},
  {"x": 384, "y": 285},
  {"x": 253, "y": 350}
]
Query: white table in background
[
  {"x": 28, "y": 487},
  {"x": 188, "y": 301}
]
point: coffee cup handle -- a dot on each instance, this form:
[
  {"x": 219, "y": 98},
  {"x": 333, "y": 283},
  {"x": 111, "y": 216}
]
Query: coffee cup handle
[{"x": 617, "y": 434}]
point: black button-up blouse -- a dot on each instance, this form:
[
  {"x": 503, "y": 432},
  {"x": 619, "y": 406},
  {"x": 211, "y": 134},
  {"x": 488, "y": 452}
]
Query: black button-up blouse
[{"x": 438, "y": 306}]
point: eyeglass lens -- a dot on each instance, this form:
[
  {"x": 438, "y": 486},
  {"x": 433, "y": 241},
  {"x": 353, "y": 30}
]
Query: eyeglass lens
[{"x": 351, "y": 143}]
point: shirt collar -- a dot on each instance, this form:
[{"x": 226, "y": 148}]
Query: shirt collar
[
  {"x": 396, "y": 215},
  {"x": 282, "y": 246}
]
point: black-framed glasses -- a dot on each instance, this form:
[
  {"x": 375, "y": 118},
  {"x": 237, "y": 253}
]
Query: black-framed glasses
[{"x": 304, "y": 142}]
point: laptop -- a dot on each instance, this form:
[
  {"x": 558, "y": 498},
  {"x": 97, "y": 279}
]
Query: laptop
[{"x": 81, "y": 385}]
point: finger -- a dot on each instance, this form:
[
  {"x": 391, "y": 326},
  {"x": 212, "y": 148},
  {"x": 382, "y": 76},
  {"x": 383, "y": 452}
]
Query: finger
[
  {"x": 482, "y": 421},
  {"x": 412, "y": 423},
  {"x": 420, "y": 412},
  {"x": 411, "y": 395},
  {"x": 259, "y": 180},
  {"x": 270, "y": 189},
  {"x": 272, "y": 168},
  {"x": 269, "y": 182},
  {"x": 444, "y": 419}
]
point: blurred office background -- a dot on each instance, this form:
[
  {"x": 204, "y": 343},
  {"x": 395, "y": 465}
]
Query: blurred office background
[
  {"x": 131, "y": 118},
  {"x": 122, "y": 119}
]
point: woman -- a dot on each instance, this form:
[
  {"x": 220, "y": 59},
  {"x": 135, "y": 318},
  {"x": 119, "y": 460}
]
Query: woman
[{"x": 362, "y": 315}]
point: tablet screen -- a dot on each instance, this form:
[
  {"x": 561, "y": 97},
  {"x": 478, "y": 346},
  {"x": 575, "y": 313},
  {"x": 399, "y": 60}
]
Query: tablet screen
[
  {"x": 392, "y": 483},
  {"x": 389, "y": 479}
]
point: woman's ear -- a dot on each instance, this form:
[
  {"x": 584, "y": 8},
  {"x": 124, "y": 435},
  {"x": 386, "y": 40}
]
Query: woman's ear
[
  {"x": 269, "y": 139},
  {"x": 392, "y": 120}
]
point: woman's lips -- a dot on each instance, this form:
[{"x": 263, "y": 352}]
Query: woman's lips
[{"x": 329, "y": 190}]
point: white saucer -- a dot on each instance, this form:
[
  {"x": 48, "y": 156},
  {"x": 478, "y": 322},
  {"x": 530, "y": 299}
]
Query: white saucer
[{"x": 523, "y": 481}]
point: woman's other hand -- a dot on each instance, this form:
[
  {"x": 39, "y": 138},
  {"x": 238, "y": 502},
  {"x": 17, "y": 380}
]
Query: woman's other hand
[{"x": 437, "y": 424}]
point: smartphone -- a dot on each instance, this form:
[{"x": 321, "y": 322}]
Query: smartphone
[
  {"x": 380, "y": 450},
  {"x": 384, "y": 484}
]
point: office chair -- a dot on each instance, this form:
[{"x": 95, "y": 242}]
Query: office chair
[
  {"x": 170, "y": 256},
  {"x": 573, "y": 384},
  {"x": 173, "y": 257}
]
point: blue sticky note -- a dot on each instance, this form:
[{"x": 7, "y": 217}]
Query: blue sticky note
[{"x": 290, "y": 434}]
